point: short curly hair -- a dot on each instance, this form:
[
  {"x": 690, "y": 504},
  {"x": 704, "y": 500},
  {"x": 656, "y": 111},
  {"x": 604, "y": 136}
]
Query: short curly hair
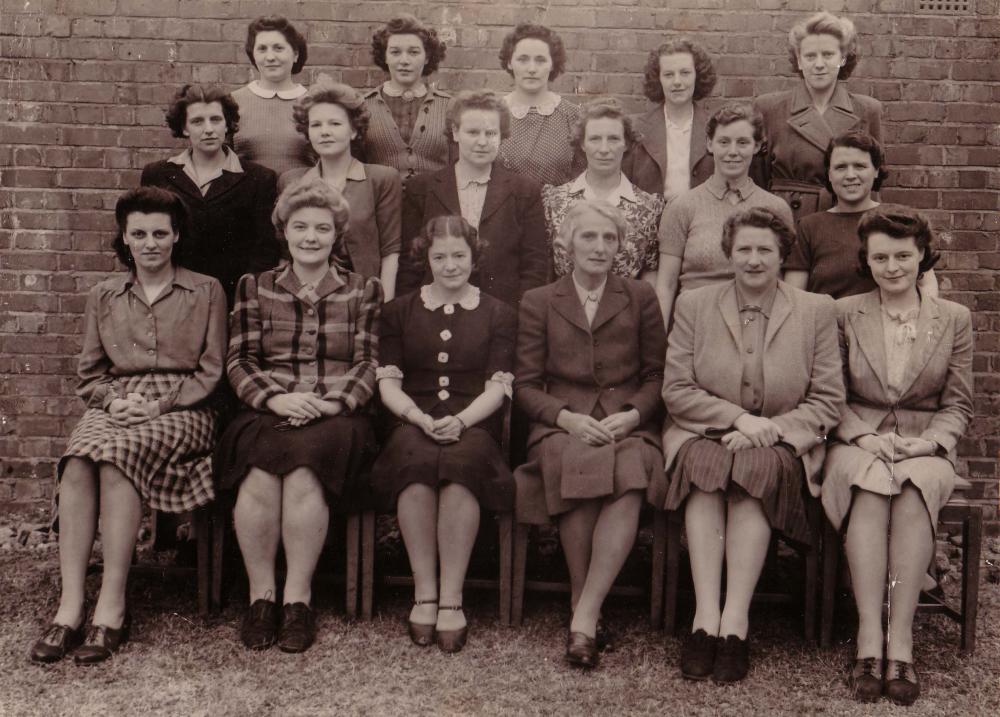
[
  {"x": 189, "y": 94},
  {"x": 529, "y": 31},
  {"x": 760, "y": 218},
  {"x": 899, "y": 222},
  {"x": 863, "y": 141},
  {"x": 602, "y": 108},
  {"x": 824, "y": 23},
  {"x": 333, "y": 93},
  {"x": 571, "y": 222},
  {"x": 314, "y": 193},
  {"x": 704, "y": 69},
  {"x": 736, "y": 112},
  {"x": 447, "y": 225},
  {"x": 277, "y": 23},
  {"x": 434, "y": 47},
  {"x": 485, "y": 100},
  {"x": 151, "y": 200}
]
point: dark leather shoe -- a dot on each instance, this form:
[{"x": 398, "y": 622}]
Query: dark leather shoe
[
  {"x": 732, "y": 659},
  {"x": 698, "y": 655},
  {"x": 421, "y": 634},
  {"x": 902, "y": 684},
  {"x": 298, "y": 628},
  {"x": 260, "y": 625},
  {"x": 865, "y": 680},
  {"x": 581, "y": 650},
  {"x": 56, "y": 643},
  {"x": 101, "y": 643},
  {"x": 452, "y": 641},
  {"x": 605, "y": 638}
]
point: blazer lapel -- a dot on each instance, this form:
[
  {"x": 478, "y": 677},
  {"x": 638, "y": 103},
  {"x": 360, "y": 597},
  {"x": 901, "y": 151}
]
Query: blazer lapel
[
  {"x": 445, "y": 188},
  {"x": 654, "y": 136},
  {"x": 613, "y": 302},
  {"x": 224, "y": 184},
  {"x": 819, "y": 129},
  {"x": 699, "y": 139},
  {"x": 497, "y": 192},
  {"x": 567, "y": 303},
  {"x": 731, "y": 313},
  {"x": 781, "y": 309},
  {"x": 181, "y": 182},
  {"x": 867, "y": 325},
  {"x": 930, "y": 329}
]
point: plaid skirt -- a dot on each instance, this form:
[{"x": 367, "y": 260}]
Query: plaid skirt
[
  {"x": 774, "y": 476},
  {"x": 167, "y": 459}
]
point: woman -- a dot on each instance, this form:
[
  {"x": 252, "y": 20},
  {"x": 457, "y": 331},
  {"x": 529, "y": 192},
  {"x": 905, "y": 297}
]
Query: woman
[
  {"x": 908, "y": 368},
  {"x": 152, "y": 355},
  {"x": 800, "y": 123},
  {"x": 407, "y": 130},
  {"x": 690, "y": 254},
  {"x": 671, "y": 156},
  {"x": 823, "y": 260},
  {"x": 603, "y": 134},
  {"x": 302, "y": 359},
  {"x": 754, "y": 385},
  {"x": 277, "y": 50},
  {"x": 334, "y": 119},
  {"x": 589, "y": 370},
  {"x": 504, "y": 208},
  {"x": 447, "y": 352},
  {"x": 228, "y": 201},
  {"x": 538, "y": 145}
]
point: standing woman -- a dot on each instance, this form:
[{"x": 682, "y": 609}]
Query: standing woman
[
  {"x": 228, "y": 201},
  {"x": 447, "y": 352},
  {"x": 302, "y": 357},
  {"x": 800, "y": 123},
  {"x": 334, "y": 119},
  {"x": 590, "y": 350},
  {"x": 540, "y": 141},
  {"x": 407, "y": 130},
  {"x": 152, "y": 354},
  {"x": 908, "y": 369},
  {"x": 754, "y": 384},
  {"x": 671, "y": 156},
  {"x": 604, "y": 134},
  {"x": 503, "y": 207},
  {"x": 824, "y": 259},
  {"x": 277, "y": 50}
]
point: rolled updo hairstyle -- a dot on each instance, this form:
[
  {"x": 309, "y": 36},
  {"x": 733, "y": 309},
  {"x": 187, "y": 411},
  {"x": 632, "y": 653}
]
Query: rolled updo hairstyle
[
  {"x": 759, "y": 218},
  {"x": 704, "y": 69},
  {"x": 898, "y": 222},
  {"x": 326, "y": 91},
  {"x": 277, "y": 23},
  {"x": 447, "y": 225},
  {"x": 434, "y": 47},
  {"x": 824, "y": 23},
  {"x": 315, "y": 193}
]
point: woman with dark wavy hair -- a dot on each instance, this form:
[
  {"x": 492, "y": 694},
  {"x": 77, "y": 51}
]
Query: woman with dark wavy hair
[{"x": 670, "y": 157}]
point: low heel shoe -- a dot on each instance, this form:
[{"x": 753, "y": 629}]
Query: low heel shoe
[
  {"x": 732, "y": 660},
  {"x": 260, "y": 625},
  {"x": 865, "y": 679},
  {"x": 902, "y": 684},
  {"x": 698, "y": 655},
  {"x": 298, "y": 628},
  {"x": 57, "y": 642},
  {"x": 101, "y": 643},
  {"x": 581, "y": 650}
]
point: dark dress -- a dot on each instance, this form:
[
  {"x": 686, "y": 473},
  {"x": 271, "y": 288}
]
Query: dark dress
[
  {"x": 444, "y": 357},
  {"x": 827, "y": 248}
]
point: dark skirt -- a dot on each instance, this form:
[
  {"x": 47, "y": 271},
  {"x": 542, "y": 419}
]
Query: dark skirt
[
  {"x": 774, "y": 476},
  {"x": 475, "y": 462},
  {"x": 337, "y": 449}
]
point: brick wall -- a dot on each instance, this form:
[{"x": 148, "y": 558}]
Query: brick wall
[{"x": 84, "y": 83}]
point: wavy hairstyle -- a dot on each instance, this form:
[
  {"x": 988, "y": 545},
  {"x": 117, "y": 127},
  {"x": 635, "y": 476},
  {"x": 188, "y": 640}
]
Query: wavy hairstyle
[
  {"x": 485, "y": 100},
  {"x": 759, "y": 218},
  {"x": 899, "y": 222},
  {"x": 277, "y": 23},
  {"x": 315, "y": 193},
  {"x": 736, "y": 112},
  {"x": 189, "y": 94},
  {"x": 333, "y": 93},
  {"x": 704, "y": 69},
  {"x": 824, "y": 23},
  {"x": 150, "y": 200},
  {"x": 447, "y": 225},
  {"x": 434, "y": 48},
  {"x": 603, "y": 108},
  {"x": 571, "y": 222},
  {"x": 863, "y": 141},
  {"x": 529, "y": 31}
]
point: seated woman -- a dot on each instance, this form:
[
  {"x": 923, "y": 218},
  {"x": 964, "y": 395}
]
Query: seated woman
[
  {"x": 589, "y": 370},
  {"x": 152, "y": 355},
  {"x": 334, "y": 118},
  {"x": 603, "y": 134},
  {"x": 302, "y": 359},
  {"x": 753, "y": 385},
  {"x": 908, "y": 369},
  {"x": 824, "y": 259},
  {"x": 446, "y": 352}
]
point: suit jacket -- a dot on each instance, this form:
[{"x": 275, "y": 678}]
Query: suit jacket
[
  {"x": 797, "y": 136},
  {"x": 935, "y": 401},
  {"x": 803, "y": 386},
  {"x": 646, "y": 163},
  {"x": 512, "y": 223},
  {"x": 617, "y": 363},
  {"x": 229, "y": 229}
]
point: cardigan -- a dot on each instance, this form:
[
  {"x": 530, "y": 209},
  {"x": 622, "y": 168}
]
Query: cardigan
[{"x": 429, "y": 148}]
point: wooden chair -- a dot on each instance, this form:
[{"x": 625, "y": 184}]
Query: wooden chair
[
  {"x": 505, "y": 532},
  {"x": 957, "y": 510}
]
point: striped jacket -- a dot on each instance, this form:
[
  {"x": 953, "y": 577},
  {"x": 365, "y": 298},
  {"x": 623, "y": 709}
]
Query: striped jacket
[{"x": 288, "y": 337}]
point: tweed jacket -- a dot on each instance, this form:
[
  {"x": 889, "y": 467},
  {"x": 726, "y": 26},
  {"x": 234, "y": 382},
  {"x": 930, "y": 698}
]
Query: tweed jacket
[
  {"x": 616, "y": 363},
  {"x": 803, "y": 385},
  {"x": 512, "y": 223},
  {"x": 645, "y": 164},
  {"x": 797, "y": 136},
  {"x": 935, "y": 401}
]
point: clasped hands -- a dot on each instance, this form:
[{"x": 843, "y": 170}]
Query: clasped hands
[
  {"x": 893, "y": 448},
  {"x": 441, "y": 430},
  {"x": 598, "y": 433},
  {"x": 752, "y": 432},
  {"x": 133, "y": 410},
  {"x": 302, "y": 407}
]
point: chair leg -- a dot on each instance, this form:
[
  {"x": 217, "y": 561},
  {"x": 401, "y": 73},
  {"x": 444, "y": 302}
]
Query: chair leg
[
  {"x": 812, "y": 556},
  {"x": 659, "y": 558},
  {"x": 972, "y": 535},
  {"x": 831, "y": 569},
  {"x": 521, "y": 532},
  {"x": 202, "y": 526},
  {"x": 367, "y": 562},
  {"x": 219, "y": 518},
  {"x": 352, "y": 539},
  {"x": 674, "y": 527},
  {"x": 505, "y": 524}
]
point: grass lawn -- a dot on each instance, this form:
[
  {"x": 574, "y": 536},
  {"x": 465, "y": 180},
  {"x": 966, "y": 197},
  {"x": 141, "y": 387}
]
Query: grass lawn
[{"x": 179, "y": 664}]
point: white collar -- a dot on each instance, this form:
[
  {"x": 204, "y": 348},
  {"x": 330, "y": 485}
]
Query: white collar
[
  {"x": 582, "y": 294},
  {"x": 684, "y": 126},
  {"x": 392, "y": 92},
  {"x": 625, "y": 190},
  {"x": 546, "y": 107},
  {"x": 463, "y": 179},
  {"x": 292, "y": 94},
  {"x": 232, "y": 163},
  {"x": 469, "y": 302}
]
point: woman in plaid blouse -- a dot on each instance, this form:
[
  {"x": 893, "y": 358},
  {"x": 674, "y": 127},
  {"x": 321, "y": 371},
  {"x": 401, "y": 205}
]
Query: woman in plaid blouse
[{"x": 302, "y": 359}]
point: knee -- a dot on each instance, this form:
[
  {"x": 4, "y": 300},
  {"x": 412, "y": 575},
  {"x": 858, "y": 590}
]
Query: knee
[
  {"x": 302, "y": 487},
  {"x": 78, "y": 474},
  {"x": 909, "y": 505},
  {"x": 258, "y": 490}
]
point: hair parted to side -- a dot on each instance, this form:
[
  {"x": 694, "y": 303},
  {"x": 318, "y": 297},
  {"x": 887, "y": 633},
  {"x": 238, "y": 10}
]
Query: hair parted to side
[
  {"x": 899, "y": 222},
  {"x": 485, "y": 100},
  {"x": 314, "y": 193},
  {"x": 150, "y": 200},
  {"x": 863, "y": 141},
  {"x": 824, "y": 23},
  {"x": 603, "y": 108},
  {"x": 760, "y": 218},
  {"x": 190, "y": 94},
  {"x": 326, "y": 91},
  {"x": 736, "y": 112},
  {"x": 530, "y": 31},
  {"x": 574, "y": 218},
  {"x": 405, "y": 24},
  {"x": 704, "y": 69},
  {"x": 278, "y": 23},
  {"x": 447, "y": 225}
]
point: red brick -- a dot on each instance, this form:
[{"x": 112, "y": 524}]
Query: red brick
[
  {"x": 90, "y": 136},
  {"x": 16, "y": 133}
]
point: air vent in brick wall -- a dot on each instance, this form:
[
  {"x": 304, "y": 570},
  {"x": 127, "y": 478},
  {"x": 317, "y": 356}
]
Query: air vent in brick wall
[{"x": 944, "y": 7}]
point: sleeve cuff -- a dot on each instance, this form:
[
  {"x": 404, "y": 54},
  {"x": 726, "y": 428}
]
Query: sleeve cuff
[
  {"x": 505, "y": 379},
  {"x": 389, "y": 371}
]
